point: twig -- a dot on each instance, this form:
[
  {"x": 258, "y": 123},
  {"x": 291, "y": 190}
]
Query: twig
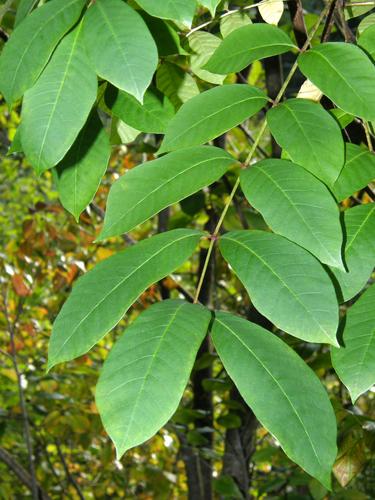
[
  {"x": 22, "y": 474},
  {"x": 368, "y": 135},
  {"x": 25, "y": 417},
  {"x": 69, "y": 476},
  {"x": 252, "y": 140}
]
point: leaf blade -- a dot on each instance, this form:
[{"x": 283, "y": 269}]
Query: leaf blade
[
  {"x": 247, "y": 44},
  {"x": 103, "y": 295},
  {"x": 26, "y": 53},
  {"x": 116, "y": 39},
  {"x": 359, "y": 224},
  {"x": 316, "y": 142},
  {"x": 298, "y": 200},
  {"x": 345, "y": 74},
  {"x": 168, "y": 330},
  {"x": 219, "y": 109},
  {"x": 358, "y": 171},
  {"x": 354, "y": 361},
  {"x": 285, "y": 283},
  {"x": 57, "y": 107},
  {"x": 261, "y": 363},
  {"x": 80, "y": 171},
  {"x": 145, "y": 190}
]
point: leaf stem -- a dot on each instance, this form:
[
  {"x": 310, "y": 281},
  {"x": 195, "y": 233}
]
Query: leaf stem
[{"x": 252, "y": 151}]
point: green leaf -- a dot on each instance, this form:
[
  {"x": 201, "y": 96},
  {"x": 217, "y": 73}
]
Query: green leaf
[
  {"x": 81, "y": 170},
  {"x": 358, "y": 171},
  {"x": 103, "y": 295},
  {"x": 120, "y": 46},
  {"x": 24, "y": 8},
  {"x": 292, "y": 202},
  {"x": 175, "y": 83},
  {"x": 32, "y": 43},
  {"x": 16, "y": 146},
  {"x": 354, "y": 363},
  {"x": 165, "y": 36},
  {"x": 246, "y": 45},
  {"x": 145, "y": 190},
  {"x": 367, "y": 41},
  {"x": 345, "y": 74},
  {"x": 310, "y": 135},
  {"x": 354, "y": 11},
  {"x": 211, "y": 5},
  {"x": 366, "y": 22},
  {"x": 231, "y": 22},
  {"x": 359, "y": 249},
  {"x": 210, "y": 114},
  {"x": 175, "y": 10},
  {"x": 57, "y": 107},
  {"x": 285, "y": 283},
  {"x": 343, "y": 118},
  {"x": 204, "y": 45},
  {"x": 145, "y": 374},
  {"x": 152, "y": 116},
  {"x": 297, "y": 410}
]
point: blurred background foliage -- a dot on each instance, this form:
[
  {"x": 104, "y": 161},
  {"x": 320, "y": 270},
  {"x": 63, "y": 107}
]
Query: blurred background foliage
[{"x": 42, "y": 252}]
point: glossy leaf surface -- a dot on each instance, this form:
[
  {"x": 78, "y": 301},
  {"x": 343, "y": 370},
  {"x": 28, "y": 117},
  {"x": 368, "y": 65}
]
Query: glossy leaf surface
[
  {"x": 145, "y": 374},
  {"x": 103, "y": 295},
  {"x": 285, "y": 283}
]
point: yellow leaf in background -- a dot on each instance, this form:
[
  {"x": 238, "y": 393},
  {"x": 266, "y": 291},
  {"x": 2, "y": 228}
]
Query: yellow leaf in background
[
  {"x": 271, "y": 10},
  {"x": 103, "y": 253},
  {"x": 309, "y": 91}
]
